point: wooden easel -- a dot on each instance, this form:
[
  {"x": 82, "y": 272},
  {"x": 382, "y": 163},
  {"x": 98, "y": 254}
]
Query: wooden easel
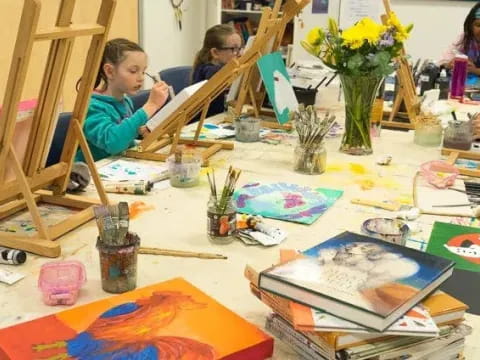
[
  {"x": 248, "y": 94},
  {"x": 31, "y": 176},
  {"x": 406, "y": 92},
  {"x": 169, "y": 131},
  {"x": 454, "y": 155}
]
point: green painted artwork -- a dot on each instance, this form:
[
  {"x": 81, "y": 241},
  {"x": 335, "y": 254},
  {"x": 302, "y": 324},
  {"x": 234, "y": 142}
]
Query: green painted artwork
[
  {"x": 458, "y": 243},
  {"x": 277, "y": 83}
]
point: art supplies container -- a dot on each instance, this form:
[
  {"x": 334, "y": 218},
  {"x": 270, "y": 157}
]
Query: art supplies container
[
  {"x": 458, "y": 135},
  {"x": 60, "y": 281},
  {"x": 428, "y": 131},
  {"x": 221, "y": 220},
  {"x": 391, "y": 230},
  {"x": 305, "y": 96},
  {"x": 184, "y": 169},
  {"x": 439, "y": 173},
  {"x": 247, "y": 128},
  {"x": 459, "y": 76},
  {"x": 118, "y": 265},
  {"x": 310, "y": 159}
]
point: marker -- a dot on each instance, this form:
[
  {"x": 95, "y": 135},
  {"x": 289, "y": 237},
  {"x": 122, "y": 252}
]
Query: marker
[{"x": 12, "y": 256}]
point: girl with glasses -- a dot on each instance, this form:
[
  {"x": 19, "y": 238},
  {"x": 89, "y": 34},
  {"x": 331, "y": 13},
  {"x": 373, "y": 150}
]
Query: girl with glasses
[{"x": 221, "y": 44}]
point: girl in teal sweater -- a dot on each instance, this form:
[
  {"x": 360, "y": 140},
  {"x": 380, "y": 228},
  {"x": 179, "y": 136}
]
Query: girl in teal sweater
[{"x": 111, "y": 126}]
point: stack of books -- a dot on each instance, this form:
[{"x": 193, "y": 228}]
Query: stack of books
[{"x": 355, "y": 297}]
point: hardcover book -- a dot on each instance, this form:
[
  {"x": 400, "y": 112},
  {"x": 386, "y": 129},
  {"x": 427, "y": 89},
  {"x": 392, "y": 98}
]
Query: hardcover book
[
  {"x": 171, "y": 320},
  {"x": 358, "y": 278}
]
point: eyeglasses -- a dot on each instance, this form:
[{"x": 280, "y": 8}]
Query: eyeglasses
[{"x": 235, "y": 50}]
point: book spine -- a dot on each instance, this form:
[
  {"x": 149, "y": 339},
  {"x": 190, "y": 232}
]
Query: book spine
[
  {"x": 304, "y": 351},
  {"x": 287, "y": 328}
]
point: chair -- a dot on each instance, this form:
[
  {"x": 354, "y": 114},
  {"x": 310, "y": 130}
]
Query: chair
[
  {"x": 139, "y": 99},
  {"x": 58, "y": 140},
  {"x": 178, "y": 77}
]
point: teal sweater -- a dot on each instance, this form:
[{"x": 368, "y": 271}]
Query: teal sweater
[{"x": 110, "y": 126}]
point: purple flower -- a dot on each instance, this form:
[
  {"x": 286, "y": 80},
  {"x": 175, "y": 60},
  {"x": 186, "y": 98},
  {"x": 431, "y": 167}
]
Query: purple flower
[{"x": 387, "y": 40}]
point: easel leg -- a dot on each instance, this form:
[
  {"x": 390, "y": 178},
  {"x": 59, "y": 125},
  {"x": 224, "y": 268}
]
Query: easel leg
[
  {"x": 28, "y": 196},
  {"x": 202, "y": 119},
  {"x": 90, "y": 161},
  {"x": 254, "y": 102},
  {"x": 396, "y": 105}
]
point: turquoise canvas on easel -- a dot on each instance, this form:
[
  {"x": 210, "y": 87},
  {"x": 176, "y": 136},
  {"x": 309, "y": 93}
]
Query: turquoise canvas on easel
[
  {"x": 284, "y": 201},
  {"x": 277, "y": 83}
]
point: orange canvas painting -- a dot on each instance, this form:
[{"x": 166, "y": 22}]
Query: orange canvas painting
[{"x": 172, "y": 320}]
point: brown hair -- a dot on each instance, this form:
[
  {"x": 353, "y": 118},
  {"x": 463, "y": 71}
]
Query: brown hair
[
  {"x": 214, "y": 38},
  {"x": 114, "y": 53}
]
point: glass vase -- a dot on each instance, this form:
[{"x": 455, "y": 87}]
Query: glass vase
[
  {"x": 221, "y": 220},
  {"x": 310, "y": 159},
  {"x": 359, "y": 92}
]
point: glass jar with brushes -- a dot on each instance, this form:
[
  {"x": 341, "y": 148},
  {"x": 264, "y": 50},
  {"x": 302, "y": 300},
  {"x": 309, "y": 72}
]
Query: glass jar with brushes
[
  {"x": 310, "y": 159},
  {"x": 458, "y": 135},
  {"x": 310, "y": 156},
  {"x": 428, "y": 130},
  {"x": 221, "y": 210}
]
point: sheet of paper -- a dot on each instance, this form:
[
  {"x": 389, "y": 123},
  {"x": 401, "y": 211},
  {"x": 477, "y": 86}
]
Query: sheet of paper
[
  {"x": 353, "y": 10},
  {"x": 428, "y": 196},
  {"x": 173, "y": 105}
]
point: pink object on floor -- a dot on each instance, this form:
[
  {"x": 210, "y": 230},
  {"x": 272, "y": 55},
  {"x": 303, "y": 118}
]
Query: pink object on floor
[
  {"x": 439, "y": 173},
  {"x": 60, "y": 281}
]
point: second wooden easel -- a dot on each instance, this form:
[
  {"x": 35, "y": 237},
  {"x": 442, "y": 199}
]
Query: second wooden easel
[
  {"x": 249, "y": 94},
  {"x": 24, "y": 188},
  {"x": 168, "y": 133},
  {"x": 406, "y": 93}
]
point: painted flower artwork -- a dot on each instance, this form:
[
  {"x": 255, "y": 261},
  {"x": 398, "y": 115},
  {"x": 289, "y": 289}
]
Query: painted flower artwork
[{"x": 284, "y": 201}]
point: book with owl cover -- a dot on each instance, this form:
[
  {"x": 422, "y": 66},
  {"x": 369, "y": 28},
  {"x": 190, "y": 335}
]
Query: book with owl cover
[
  {"x": 358, "y": 278},
  {"x": 170, "y": 320},
  {"x": 285, "y": 201}
]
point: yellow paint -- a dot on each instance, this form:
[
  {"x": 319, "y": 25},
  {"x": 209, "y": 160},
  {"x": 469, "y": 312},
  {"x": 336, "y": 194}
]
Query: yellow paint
[
  {"x": 358, "y": 169},
  {"x": 404, "y": 199},
  {"x": 335, "y": 167},
  {"x": 366, "y": 184}
]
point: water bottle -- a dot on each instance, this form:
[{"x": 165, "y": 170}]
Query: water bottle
[
  {"x": 443, "y": 84},
  {"x": 459, "y": 76}
]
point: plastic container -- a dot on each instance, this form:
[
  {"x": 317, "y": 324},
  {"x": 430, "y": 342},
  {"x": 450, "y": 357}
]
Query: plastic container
[
  {"x": 428, "y": 131},
  {"x": 391, "y": 230},
  {"x": 247, "y": 129},
  {"x": 60, "y": 281},
  {"x": 184, "y": 169},
  {"x": 439, "y": 173},
  {"x": 118, "y": 265}
]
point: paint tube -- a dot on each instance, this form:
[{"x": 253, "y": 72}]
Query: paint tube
[
  {"x": 12, "y": 256},
  {"x": 9, "y": 277},
  {"x": 140, "y": 187}
]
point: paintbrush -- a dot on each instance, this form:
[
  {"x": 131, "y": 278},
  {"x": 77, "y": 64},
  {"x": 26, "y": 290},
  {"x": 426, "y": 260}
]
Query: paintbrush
[
  {"x": 171, "y": 92},
  {"x": 331, "y": 79},
  {"x": 123, "y": 222}
]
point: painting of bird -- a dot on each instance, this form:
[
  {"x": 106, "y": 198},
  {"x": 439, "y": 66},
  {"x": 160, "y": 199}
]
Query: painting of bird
[{"x": 130, "y": 331}]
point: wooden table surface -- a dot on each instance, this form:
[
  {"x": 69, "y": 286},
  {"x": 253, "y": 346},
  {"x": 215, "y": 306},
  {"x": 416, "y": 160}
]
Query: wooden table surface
[{"x": 178, "y": 221}]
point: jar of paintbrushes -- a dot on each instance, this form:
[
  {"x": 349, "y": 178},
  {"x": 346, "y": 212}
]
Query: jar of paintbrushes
[
  {"x": 221, "y": 210},
  {"x": 310, "y": 156},
  {"x": 117, "y": 248}
]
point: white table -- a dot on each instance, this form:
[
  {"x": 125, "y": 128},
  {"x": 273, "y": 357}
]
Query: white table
[{"x": 179, "y": 222}]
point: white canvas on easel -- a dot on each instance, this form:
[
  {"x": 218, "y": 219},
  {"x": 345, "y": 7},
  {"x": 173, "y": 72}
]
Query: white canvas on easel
[
  {"x": 173, "y": 105},
  {"x": 235, "y": 87},
  {"x": 352, "y": 11}
]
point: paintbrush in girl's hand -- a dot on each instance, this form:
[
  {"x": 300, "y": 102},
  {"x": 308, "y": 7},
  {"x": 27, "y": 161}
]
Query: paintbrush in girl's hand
[{"x": 171, "y": 92}]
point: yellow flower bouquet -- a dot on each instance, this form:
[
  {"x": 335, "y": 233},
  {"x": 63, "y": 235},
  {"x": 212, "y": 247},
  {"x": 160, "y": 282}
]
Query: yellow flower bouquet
[{"x": 362, "y": 55}]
